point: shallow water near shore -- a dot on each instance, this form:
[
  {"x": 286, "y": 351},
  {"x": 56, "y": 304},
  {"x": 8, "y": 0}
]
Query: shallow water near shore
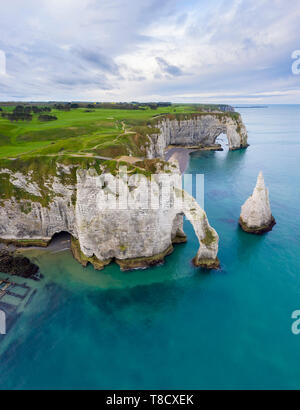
[{"x": 175, "y": 326}]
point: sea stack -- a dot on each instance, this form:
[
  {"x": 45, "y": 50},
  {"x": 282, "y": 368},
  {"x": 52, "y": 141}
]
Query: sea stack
[{"x": 256, "y": 216}]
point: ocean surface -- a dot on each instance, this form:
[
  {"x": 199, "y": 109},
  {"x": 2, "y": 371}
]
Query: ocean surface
[{"x": 175, "y": 326}]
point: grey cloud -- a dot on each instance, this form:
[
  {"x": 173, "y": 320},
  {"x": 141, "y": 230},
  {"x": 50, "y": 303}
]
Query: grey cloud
[
  {"x": 75, "y": 49},
  {"x": 72, "y": 81},
  {"x": 167, "y": 68},
  {"x": 97, "y": 59}
]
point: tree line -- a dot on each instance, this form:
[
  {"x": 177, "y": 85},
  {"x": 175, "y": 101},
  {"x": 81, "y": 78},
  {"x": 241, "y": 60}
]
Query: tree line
[{"x": 25, "y": 113}]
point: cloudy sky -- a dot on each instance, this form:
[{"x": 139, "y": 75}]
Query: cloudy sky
[{"x": 233, "y": 51}]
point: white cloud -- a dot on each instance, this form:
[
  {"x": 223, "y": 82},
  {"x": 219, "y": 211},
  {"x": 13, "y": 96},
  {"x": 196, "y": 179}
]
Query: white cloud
[{"x": 115, "y": 49}]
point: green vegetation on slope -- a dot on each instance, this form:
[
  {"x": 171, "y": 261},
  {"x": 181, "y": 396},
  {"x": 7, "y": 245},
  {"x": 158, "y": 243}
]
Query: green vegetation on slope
[{"x": 99, "y": 132}]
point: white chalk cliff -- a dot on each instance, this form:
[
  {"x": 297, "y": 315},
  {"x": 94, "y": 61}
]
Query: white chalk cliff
[
  {"x": 197, "y": 130},
  {"x": 256, "y": 216},
  {"x": 110, "y": 218}
]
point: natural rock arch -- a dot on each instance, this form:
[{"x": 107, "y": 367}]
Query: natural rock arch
[
  {"x": 207, "y": 255},
  {"x": 136, "y": 238},
  {"x": 197, "y": 131}
]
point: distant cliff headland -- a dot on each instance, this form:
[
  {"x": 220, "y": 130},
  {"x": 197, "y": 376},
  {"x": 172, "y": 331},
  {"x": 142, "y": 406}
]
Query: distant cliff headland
[{"x": 51, "y": 158}]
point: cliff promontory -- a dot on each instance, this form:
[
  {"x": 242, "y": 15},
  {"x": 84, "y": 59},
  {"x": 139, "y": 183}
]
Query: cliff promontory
[
  {"x": 76, "y": 183},
  {"x": 197, "y": 131},
  {"x": 113, "y": 213}
]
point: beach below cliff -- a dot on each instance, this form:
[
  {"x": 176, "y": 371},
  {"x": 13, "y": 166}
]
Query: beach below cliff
[{"x": 182, "y": 155}]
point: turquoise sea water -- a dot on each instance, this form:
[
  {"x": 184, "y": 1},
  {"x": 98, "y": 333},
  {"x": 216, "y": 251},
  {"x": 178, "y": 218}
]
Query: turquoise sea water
[{"x": 173, "y": 326}]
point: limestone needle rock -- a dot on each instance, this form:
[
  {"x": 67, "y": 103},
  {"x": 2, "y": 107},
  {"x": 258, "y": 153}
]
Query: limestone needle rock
[{"x": 256, "y": 216}]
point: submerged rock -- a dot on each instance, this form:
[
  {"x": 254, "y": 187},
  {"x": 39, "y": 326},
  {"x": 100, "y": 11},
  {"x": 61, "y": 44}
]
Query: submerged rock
[
  {"x": 17, "y": 265},
  {"x": 256, "y": 216}
]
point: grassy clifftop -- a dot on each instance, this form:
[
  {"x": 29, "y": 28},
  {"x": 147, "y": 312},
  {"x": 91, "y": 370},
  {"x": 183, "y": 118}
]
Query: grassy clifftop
[
  {"x": 79, "y": 138},
  {"x": 95, "y": 132}
]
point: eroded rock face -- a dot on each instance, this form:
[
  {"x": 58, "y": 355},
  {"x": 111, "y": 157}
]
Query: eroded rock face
[
  {"x": 30, "y": 222},
  {"x": 256, "y": 216},
  {"x": 201, "y": 130},
  {"x": 141, "y": 236},
  {"x": 207, "y": 255},
  {"x": 135, "y": 236}
]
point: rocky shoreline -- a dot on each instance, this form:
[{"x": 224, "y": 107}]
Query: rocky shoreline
[
  {"x": 207, "y": 264},
  {"x": 259, "y": 230}
]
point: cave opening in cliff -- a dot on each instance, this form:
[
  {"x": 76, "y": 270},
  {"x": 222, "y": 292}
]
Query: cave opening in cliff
[
  {"x": 61, "y": 240},
  {"x": 223, "y": 141}
]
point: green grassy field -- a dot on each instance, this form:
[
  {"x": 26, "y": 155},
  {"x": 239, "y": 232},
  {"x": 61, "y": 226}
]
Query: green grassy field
[{"x": 102, "y": 132}]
